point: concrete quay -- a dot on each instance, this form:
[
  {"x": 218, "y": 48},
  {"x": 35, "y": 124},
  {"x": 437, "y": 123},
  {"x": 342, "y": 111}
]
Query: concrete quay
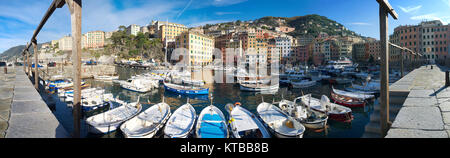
[
  {"x": 425, "y": 112},
  {"x": 23, "y": 113}
]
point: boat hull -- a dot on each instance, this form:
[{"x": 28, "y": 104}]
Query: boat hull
[
  {"x": 347, "y": 104},
  {"x": 191, "y": 92}
]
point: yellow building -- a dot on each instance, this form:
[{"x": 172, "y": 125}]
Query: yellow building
[
  {"x": 169, "y": 31},
  {"x": 199, "y": 46},
  {"x": 94, "y": 39}
]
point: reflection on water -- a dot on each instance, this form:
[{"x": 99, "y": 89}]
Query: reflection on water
[{"x": 224, "y": 93}]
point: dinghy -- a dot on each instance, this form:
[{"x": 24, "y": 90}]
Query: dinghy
[
  {"x": 334, "y": 111},
  {"x": 352, "y": 94},
  {"x": 244, "y": 124},
  {"x": 211, "y": 123},
  {"x": 109, "y": 121},
  {"x": 181, "y": 123},
  {"x": 147, "y": 123},
  {"x": 279, "y": 123},
  {"x": 309, "y": 118}
]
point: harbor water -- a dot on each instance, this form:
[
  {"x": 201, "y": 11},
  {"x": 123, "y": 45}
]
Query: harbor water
[{"x": 222, "y": 94}]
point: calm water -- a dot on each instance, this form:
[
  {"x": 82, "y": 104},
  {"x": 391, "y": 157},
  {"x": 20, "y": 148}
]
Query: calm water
[{"x": 222, "y": 94}]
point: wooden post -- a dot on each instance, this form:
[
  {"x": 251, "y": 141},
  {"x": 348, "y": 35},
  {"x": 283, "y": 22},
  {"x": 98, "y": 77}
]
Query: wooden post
[
  {"x": 401, "y": 69},
  {"x": 75, "y": 15},
  {"x": 36, "y": 63},
  {"x": 385, "y": 9},
  {"x": 24, "y": 59},
  {"x": 28, "y": 64}
]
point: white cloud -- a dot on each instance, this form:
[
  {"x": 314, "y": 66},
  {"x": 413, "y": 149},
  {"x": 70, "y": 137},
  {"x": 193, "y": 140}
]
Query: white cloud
[
  {"x": 432, "y": 16},
  {"x": 410, "y": 9},
  {"x": 226, "y": 13},
  {"x": 226, "y": 2}
]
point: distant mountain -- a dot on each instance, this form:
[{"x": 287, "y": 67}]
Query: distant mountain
[{"x": 16, "y": 51}]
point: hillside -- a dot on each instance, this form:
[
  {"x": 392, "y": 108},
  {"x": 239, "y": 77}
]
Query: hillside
[
  {"x": 307, "y": 25},
  {"x": 15, "y": 51}
]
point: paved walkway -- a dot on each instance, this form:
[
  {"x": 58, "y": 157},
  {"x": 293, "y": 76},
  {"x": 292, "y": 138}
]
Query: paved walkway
[
  {"x": 23, "y": 112},
  {"x": 426, "y": 110}
]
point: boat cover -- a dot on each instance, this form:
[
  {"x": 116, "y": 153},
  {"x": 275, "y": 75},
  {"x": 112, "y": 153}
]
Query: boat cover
[
  {"x": 181, "y": 120},
  {"x": 212, "y": 126},
  {"x": 242, "y": 119}
]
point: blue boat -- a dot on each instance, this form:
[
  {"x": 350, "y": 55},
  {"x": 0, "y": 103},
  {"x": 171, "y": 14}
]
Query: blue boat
[
  {"x": 39, "y": 66},
  {"x": 185, "y": 89},
  {"x": 211, "y": 124}
]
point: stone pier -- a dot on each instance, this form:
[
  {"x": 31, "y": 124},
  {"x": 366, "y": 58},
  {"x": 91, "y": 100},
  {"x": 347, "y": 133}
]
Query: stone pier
[
  {"x": 23, "y": 113},
  {"x": 426, "y": 111}
]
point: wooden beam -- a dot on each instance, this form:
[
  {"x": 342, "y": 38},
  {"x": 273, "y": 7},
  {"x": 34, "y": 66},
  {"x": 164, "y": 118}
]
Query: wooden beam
[
  {"x": 384, "y": 4},
  {"x": 75, "y": 16},
  {"x": 36, "y": 63},
  {"x": 384, "y": 83}
]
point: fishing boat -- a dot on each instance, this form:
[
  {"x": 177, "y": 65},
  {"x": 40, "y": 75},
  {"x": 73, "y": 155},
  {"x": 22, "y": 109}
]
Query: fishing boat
[
  {"x": 147, "y": 123},
  {"x": 181, "y": 123},
  {"x": 185, "y": 89},
  {"x": 109, "y": 121},
  {"x": 309, "y": 118},
  {"x": 211, "y": 123},
  {"x": 334, "y": 111},
  {"x": 302, "y": 83},
  {"x": 278, "y": 122},
  {"x": 244, "y": 124},
  {"x": 349, "y": 99}
]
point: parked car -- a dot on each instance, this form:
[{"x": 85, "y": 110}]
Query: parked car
[
  {"x": 2, "y": 63},
  {"x": 51, "y": 64}
]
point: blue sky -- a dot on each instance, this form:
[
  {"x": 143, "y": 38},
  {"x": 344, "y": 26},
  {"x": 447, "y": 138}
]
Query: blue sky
[{"x": 18, "y": 21}]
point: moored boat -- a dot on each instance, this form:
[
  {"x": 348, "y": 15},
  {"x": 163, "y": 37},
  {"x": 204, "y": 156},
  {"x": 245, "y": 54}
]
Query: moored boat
[
  {"x": 244, "y": 124},
  {"x": 211, "y": 123},
  {"x": 185, "y": 89},
  {"x": 347, "y": 99},
  {"x": 147, "y": 123},
  {"x": 278, "y": 122},
  {"x": 109, "y": 121},
  {"x": 309, "y": 118},
  {"x": 302, "y": 83},
  {"x": 181, "y": 122},
  {"x": 334, "y": 111}
]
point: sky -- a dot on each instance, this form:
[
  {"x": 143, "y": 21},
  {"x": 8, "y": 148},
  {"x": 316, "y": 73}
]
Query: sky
[{"x": 19, "y": 18}]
